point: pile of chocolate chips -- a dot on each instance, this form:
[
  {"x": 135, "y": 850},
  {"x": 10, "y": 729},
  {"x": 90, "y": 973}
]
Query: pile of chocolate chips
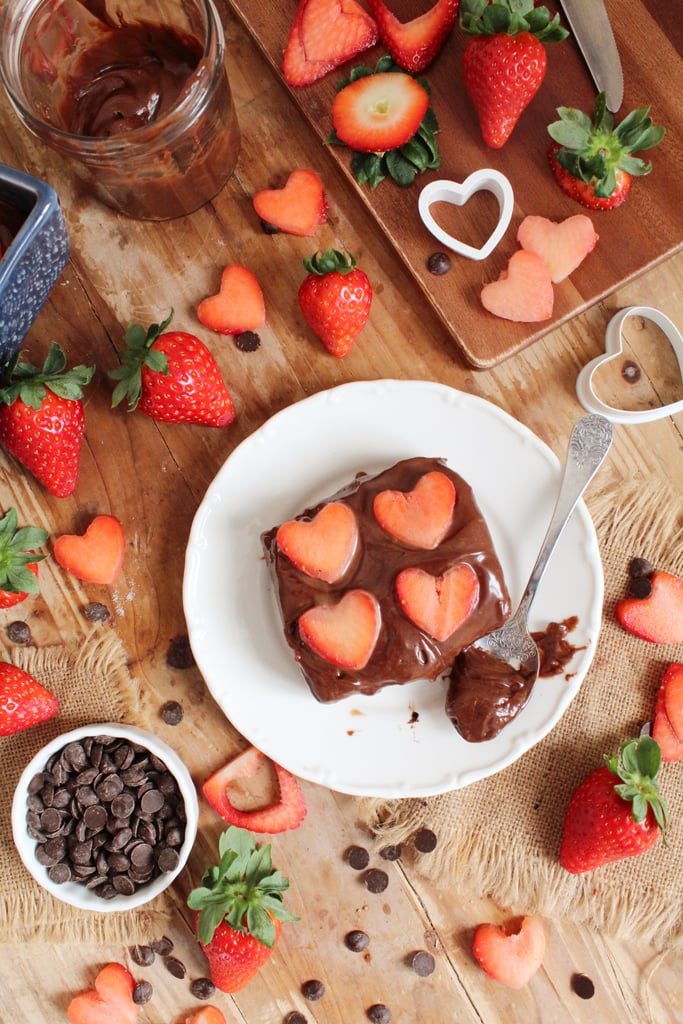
[{"x": 106, "y": 813}]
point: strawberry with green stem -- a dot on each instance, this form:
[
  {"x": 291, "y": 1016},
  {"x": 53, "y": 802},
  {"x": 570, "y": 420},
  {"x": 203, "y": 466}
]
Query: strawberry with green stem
[
  {"x": 593, "y": 161},
  {"x": 384, "y": 116},
  {"x": 504, "y": 61},
  {"x": 239, "y": 910},
  {"x": 18, "y": 559},
  {"x": 42, "y": 421},
  {"x": 617, "y": 811},
  {"x": 335, "y": 299},
  {"x": 171, "y": 376}
]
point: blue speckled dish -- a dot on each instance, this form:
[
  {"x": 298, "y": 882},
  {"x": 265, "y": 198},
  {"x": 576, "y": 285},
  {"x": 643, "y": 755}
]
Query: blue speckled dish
[{"x": 35, "y": 257}]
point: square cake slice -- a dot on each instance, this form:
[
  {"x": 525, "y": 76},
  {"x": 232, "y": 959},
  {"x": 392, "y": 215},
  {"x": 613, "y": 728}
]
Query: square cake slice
[{"x": 387, "y": 580}]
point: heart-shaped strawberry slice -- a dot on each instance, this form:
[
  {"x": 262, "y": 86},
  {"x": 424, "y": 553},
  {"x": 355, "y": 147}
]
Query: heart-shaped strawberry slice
[
  {"x": 238, "y": 306},
  {"x": 523, "y": 292},
  {"x": 658, "y": 617},
  {"x": 298, "y": 208},
  {"x": 97, "y": 555},
  {"x": 110, "y": 1002},
  {"x": 563, "y": 245},
  {"x": 345, "y": 633},
  {"x": 667, "y": 728},
  {"x": 324, "y": 546},
  {"x": 420, "y": 517},
  {"x": 438, "y": 604},
  {"x": 511, "y": 952}
]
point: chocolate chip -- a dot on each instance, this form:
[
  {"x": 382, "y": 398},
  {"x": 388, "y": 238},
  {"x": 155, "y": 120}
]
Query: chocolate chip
[
  {"x": 168, "y": 860},
  {"x": 358, "y": 857},
  {"x": 376, "y": 880},
  {"x": 425, "y": 840},
  {"x": 294, "y": 1017},
  {"x": 59, "y": 873},
  {"x": 172, "y": 712},
  {"x": 313, "y": 990},
  {"x": 379, "y": 1014},
  {"x": 18, "y": 632},
  {"x": 630, "y": 371},
  {"x": 423, "y": 963},
  {"x": 439, "y": 263},
  {"x": 268, "y": 228},
  {"x": 162, "y": 946},
  {"x": 640, "y": 567},
  {"x": 582, "y": 986},
  {"x": 143, "y": 956},
  {"x": 356, "y": 941},
  {"x": 179, "y": 654},
  {"x": 96, "y": 612},
  {"x": 202, "y": 988},
  {"x": 142, "y": 993},
  {"x": 640, "y": 587},
  {"x": 175, "y": 967},
  {"x": 247, "y": 341},
  {"x": 390, "y": 852}
]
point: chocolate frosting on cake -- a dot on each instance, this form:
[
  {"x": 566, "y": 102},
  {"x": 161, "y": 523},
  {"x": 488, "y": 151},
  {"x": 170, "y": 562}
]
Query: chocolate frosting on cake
[{"x": 403, "y": 652}]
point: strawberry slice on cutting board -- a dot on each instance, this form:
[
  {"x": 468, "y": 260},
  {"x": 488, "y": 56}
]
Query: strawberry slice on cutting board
[
  {"x": 414, "y": 44},
  {"x": 379, "y": 112},
  {"x": 324, "y": 35}
]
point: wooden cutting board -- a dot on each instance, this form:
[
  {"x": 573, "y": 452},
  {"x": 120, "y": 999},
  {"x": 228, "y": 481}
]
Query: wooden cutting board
[{"x": 633, "y": 238}]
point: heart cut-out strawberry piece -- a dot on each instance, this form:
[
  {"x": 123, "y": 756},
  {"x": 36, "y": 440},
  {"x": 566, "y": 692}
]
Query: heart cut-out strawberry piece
[
  {"x": 298, "y": 208},
  {"x": 323, "y": 547},
  {"x": 438, "y": 605},
  {"x": 345, "y": 633},
  {"x": 523, "y": 292},
  {"x": 353, "y": 27},
  {"x": 562, "y": 244},
  {"x": 667, "y": 728},
  {"x": 97, "y": 555},
  {"x": 658, "y": 617},
  {"x": 420, "y": 517},
  {"x": 110, "y": 1002},
  {"x": 238, "y": 306},
  {"x": 512, "y": 952}
]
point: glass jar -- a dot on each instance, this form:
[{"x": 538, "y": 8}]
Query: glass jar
[{"x": 133, "y": 93}]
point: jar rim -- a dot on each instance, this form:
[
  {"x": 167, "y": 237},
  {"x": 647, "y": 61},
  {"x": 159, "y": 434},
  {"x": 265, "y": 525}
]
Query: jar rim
[{"x": 173, "y": 122}]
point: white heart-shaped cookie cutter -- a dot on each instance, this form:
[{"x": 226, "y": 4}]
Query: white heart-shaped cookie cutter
[
  {"x": 445, "y": 191},
  {"x": 613, "y": 349}
]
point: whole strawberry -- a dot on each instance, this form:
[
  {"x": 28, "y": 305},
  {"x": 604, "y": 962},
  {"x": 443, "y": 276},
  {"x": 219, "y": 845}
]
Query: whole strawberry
[
  {"x": 504, "y": 61},
  {"x": 18, "y": 559},
  {"x": 171, "y": 376},
  {"x": 24, "y": 702},
  {"x": 335, "y": 298},
  {"x": 617, "y": 812},
  {"x": 240, "y": 910},
  {"x": 593, "y": 161},
  {"x": 42, "y": 420}
]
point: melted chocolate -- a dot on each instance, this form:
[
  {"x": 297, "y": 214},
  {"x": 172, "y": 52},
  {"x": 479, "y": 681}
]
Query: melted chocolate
[
  {"x": 484, "y": 694},
  {"x": 553, "y": 646},
  {"x": 403, "y": 652}
]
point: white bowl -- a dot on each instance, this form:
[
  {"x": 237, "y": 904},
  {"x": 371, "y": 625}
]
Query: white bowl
[{"x": 76, "y": 893}]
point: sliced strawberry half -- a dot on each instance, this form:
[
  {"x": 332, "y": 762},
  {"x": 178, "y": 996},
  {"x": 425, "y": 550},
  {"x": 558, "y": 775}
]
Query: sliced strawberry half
[
  {"x": 345, "y": 633},
  {"x": 323, "y": 35},
  {"x": 286, "y": 813},
  {"x": 523, "y": 292},
  {"x": 95, "y": 556},
  {"x": 512, "y": 952},
  {"x": 438, "y": 605},
  {"x": 414, "y": 44},
  {"x": 667, "y": 728},
  {"x": 657, "y": 618},
  {"x": 238, "y": 306},
  {"x": 379, "y": 112},
  {"x": 563, "y": 246},
  {"x": 322, "y": 547},
  {"x": 420, "y": 517},
  {"x": 298, "y": 208}
]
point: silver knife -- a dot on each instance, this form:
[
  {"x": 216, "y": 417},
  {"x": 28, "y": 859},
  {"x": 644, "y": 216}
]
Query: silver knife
[{"x": 590, "y": 25}]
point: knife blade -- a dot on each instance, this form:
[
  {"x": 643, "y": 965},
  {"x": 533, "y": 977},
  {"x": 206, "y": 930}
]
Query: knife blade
[{"x": 590, "y": 25}]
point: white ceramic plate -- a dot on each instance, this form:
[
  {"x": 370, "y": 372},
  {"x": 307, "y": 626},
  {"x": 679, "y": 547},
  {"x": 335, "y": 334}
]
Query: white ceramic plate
[{"x": 399, "y": 742}]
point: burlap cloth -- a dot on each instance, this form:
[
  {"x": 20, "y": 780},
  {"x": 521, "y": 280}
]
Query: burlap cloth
[
  {"x": 501, "y": 836},
  {"x": 93, "y": 685}
]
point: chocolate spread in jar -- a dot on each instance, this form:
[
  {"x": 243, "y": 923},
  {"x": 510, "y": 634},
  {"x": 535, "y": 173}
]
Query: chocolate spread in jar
[
  {"x": 131, "y": 76},
  {"x": 484, "y": 694}
]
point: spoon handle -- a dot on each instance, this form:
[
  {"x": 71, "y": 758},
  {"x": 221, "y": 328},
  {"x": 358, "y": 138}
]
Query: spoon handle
[{"x": 589, "y": 443}]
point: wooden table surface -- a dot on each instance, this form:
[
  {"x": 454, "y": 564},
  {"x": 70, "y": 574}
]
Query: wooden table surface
[{"x": 154, "y": 476}]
